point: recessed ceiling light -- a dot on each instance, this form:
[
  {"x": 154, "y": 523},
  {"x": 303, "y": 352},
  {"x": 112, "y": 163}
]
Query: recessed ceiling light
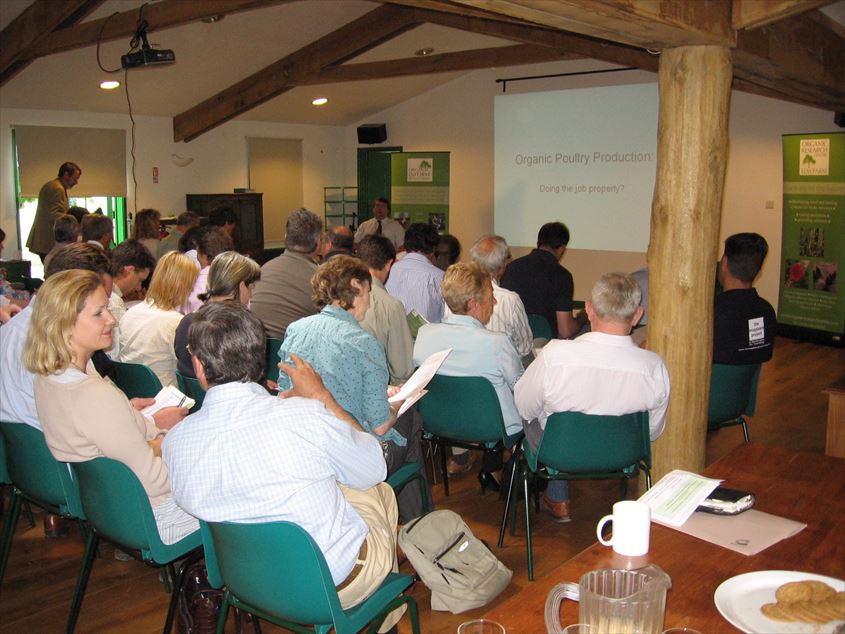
[
  {"x": 319, "y": 101},
  {"x": 111, "y": 84},
  {"x": 424, "y": 51}
]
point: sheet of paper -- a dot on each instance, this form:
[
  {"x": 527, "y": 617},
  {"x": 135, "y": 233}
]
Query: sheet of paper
[
  {"x": 419, "y": 379},
  {"x": 676, "y": 496},
  {"x": 415, "y": 322},
  {"x": 748, "y": 533},
  {"x": 410, "y": 401},
  {"x": 169, "y": 396}
]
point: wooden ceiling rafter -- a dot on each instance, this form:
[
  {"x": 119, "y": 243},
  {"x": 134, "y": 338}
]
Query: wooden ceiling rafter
[
  {"x": 752, "y": 14},
  {"x": 37, "y": 24},
  {"x": 350, "y": 40},
  {"x": 159, "y": 15},
  {"x": 515, "y": 55}
]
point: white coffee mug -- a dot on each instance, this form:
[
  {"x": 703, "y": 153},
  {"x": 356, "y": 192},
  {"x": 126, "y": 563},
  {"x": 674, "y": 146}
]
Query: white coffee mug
[{"x": 631, "y": 528}]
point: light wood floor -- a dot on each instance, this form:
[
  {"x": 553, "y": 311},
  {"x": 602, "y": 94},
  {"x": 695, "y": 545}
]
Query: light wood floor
[{"x": 127, "y": 597}]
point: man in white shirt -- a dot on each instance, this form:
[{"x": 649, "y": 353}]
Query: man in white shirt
[
  {"x": 250, "y": 457},
  {"x": 414, "y": 280},
  {"x": 492, "y": 254},
  {"x": 381, "y": 225},
  {"x": 601, "y": 372}
]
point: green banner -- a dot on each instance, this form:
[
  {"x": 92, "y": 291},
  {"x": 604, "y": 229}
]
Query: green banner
[
  {"x": 813, "y": 240},
  {"x": 419, "y": 189}
]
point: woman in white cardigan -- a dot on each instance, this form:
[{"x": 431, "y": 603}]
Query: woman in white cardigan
[
  {"x": 147, "y": 329},
  {"x": 85, "y": 416}
]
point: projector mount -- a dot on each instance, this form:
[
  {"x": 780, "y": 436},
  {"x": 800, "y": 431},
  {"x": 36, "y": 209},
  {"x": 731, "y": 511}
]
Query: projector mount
[{"x": 147, "y": 56}]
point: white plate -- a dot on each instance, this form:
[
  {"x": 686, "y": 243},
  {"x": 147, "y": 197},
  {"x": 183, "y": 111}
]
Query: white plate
[{"x": 740, "y": 598}]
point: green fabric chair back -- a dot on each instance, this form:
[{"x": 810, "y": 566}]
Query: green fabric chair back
[
  {"x": 276, "y": 571},
  {"x": 191, "y": 387},
  {"x": 118, "y": 508},
  {"x": 464, "y": 409},
  {"x": 576, "y": 443},
  {"x": 540, "y": 327},
  {"x": 271, "y": 372},
  {"x": 36, "y": 473},
  {"x": 136, "y": 380},
  {"x": 733, "y": 392}
]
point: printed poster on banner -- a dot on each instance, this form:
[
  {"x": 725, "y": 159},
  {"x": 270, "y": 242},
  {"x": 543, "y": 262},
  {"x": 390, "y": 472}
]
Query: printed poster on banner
[
  {"x": 812, "y": 297},
  {"x": 420, "y": 188}
]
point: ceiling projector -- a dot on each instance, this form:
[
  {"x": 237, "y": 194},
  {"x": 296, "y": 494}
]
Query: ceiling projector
[{"x": 147, "y": 57}]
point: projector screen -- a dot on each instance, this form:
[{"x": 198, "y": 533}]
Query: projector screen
[{"x": 585, "y": 157}]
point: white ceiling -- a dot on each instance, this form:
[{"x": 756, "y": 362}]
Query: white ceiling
[{"x": 211, "y": 57}]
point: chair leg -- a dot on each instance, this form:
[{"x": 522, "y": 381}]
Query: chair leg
[
  {"x": 91, "y": 542},
  {"x": 178, "y": 579},
  {"x": 224, "y": 613},
  {"x": 647, "y": 478},
  {"x": 9, "y": 530},
  {"x": 443, "y": 459},
  {"x": 623, "y": 488},
  {"x": 744, "y": 424},
  {"x": 426, "y": 501},
  {"x": 27, "y": 509},
  {"x": 528, "y": 545},
  {"x": 508, "y": 501}
]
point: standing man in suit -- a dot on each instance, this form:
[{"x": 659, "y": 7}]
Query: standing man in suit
[
  {"x": 381, "y": 225},
  {"x": 52, "y": 203}
]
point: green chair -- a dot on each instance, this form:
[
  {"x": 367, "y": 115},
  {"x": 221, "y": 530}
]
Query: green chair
[
  {"x": 191, "y": 387},
  {"x": 540, "y": 327},
  {"x": 733, "y": 395},
  {"x": 404, "y": 475},
  {"x": 277, "y": 572},
  {"x": 117, "y": 509},
  {"x": 136, "y": 380},
  {"x": 271, "y": 371},
  {"x": 463, "y": 411},
  {"x": 36, "y": 477},
  {"x": 578, "y": 446}
]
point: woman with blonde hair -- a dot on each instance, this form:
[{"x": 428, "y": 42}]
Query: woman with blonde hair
[
  {"x": 231, "y": 277},
  {"x": 148, "y": 329},
  {"x": 147, "y": 229},
  {"x": 85, "y": 416}
]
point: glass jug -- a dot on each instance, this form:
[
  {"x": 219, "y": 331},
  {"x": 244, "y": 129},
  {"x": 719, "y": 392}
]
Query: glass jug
[{"x": 614, "y": 601}]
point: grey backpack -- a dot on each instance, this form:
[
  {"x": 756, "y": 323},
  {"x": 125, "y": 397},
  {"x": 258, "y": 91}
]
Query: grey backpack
[{"x": 457, "y": 567}]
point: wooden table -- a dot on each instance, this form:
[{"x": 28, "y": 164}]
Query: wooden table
[
  {"x": 805, "y": 487},
  {"x": 835, "y": 441}
]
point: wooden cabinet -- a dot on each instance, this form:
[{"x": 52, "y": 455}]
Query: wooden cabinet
[{"x": 249, "y": 234}]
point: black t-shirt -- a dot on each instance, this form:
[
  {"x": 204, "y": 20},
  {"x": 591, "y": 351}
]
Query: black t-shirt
[
  {"x": 543, "y": 285},
  {"x": 743, "y": 327},
  {"x": 180, "y": 346}
]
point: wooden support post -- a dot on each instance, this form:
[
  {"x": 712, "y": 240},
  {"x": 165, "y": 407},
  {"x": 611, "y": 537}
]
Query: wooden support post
[{"x": 692, "y": 149}]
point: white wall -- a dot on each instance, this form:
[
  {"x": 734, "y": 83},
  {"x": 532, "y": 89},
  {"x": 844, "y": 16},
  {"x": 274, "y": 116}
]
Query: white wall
[
  {"x": 219, "y": 165},
  {"x": 458, "y": 117}
]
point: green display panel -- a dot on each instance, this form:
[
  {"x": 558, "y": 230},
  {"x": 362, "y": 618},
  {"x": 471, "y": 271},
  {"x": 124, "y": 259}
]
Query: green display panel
[
  {"x": 419, "y": 189},
  {"x": 813, "y": 239}
]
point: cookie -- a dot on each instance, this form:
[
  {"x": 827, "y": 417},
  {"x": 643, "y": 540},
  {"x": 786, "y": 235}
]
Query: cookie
[{"x": 806, "y": 602}]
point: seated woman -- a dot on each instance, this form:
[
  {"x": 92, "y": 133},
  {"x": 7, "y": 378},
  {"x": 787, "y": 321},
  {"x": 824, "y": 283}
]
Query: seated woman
[
  {"x": 147, "y": 229},
  {"x": 211, "y": 242},
  {"x": 476, "y": 351},
  {"x": 231, "y": 277},
  {"x": 148, "y": 329},
  {"x": 350, "y": 360},
  {"x": 85, "y": 416}
]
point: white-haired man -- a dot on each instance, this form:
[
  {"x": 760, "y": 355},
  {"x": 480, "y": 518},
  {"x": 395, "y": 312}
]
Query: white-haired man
[{"x": 601, "y": 372}]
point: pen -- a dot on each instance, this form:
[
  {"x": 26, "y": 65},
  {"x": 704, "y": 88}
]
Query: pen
[{"x": 182, "y": 401}]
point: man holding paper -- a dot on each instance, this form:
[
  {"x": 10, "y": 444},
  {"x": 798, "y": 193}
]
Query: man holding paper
[{"x": 600, "y": 372}]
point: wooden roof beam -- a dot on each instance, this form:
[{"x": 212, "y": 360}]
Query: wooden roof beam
[
  {"x": 750, "y": 14},
  {"x": 796, "y": 57},
  {"x": 557, "y": 40},
  {"x": 441, "y": 63},
  {"x": 159, "y": 15},
  {"x": 36, "y": 25},
  {"x": 654, "y": 24},
  {"x": 350, "y": 40}
]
